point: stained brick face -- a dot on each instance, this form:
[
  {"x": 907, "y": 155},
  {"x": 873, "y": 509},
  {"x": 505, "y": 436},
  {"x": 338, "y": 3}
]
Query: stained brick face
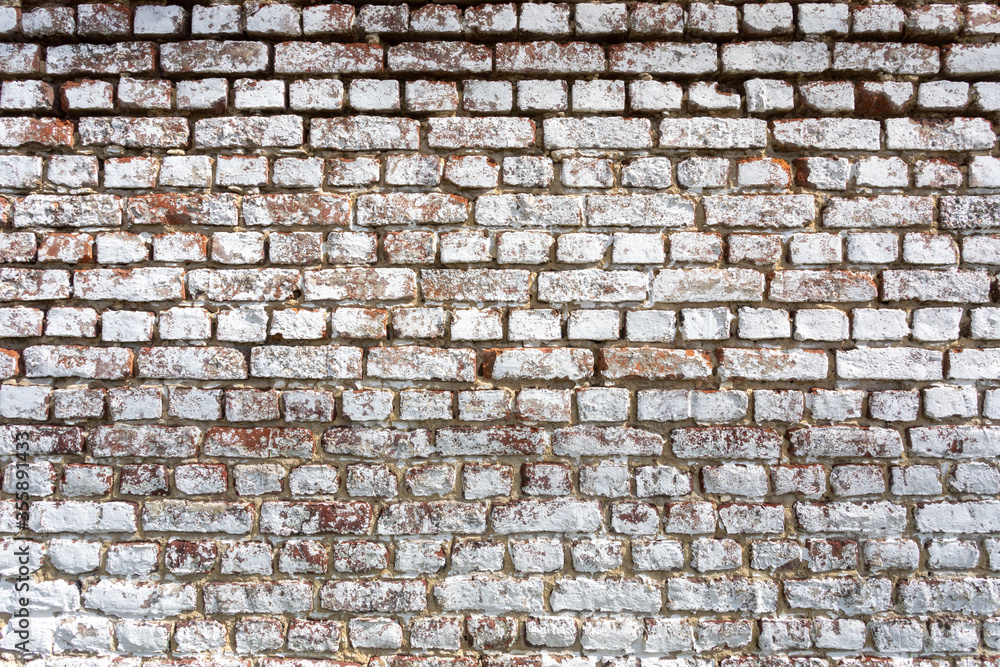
[{"x": 597, "y": 334}]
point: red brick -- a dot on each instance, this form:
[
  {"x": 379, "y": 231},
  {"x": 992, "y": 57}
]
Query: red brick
[
  {"x": 121, "y": 58},
  {"x": 259, "y": 443},
  {"x": 18, "y": 132}
]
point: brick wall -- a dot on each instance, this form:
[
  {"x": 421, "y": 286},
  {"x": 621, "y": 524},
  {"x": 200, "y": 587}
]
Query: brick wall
[{"x": 592, "y": 334}]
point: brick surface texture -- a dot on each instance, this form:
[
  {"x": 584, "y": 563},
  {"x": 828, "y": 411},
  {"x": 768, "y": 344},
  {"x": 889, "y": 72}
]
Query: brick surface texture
[{"x": 600, "y": 334}]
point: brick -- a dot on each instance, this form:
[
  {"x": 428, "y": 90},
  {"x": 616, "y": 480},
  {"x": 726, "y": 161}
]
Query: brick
[
  {"x": 936, "y": 285},
  {"x": 653, "y": 363},
  {"x": 439, "y": 57},
  {"x": 606, "y": 595},
  {"x": 713, "y": 133},
  {"x": 384, "y": 596},
  {"x": 412, "y": 362},
  {"x": 490, "y": 133},
  {"x": 606, "y": 441},
  {"x": 475, "y": 284},
  {"x": 525, "y": 210},
  {"x": 894, "y": 364},
  {"x": 592, "y": 285},
  {"x": 68, "y": 211},
  {"x": 556, "y": 515},
  {"x": 140, "y": 284},
  {"x": 494, "y": 441},
  {"x": 956, "y": 134},
  {"x": 77, "y": 361},
  {"x": 550, "y": 58},
  {"x": 248, "y": 132},
  {"x": 775, "y": 57},
  {"x": 404, "y": 208},
  {"x": 145, "y": 599},
  {"x": 214, "y": 57},
  {"x": 21, "y": 131},
  {"x": 658, "y": 210},
  {"x": 704, "y": 285},
  {"x": 828, "y": 134},
  {"x": 244, "y": 284},
  {"x": 305, "y": 361},
  {"x": 121, "y": 58},
  {"x": 821, "y": 285},
  {"x": 662, "y": 58},
  {"x": 760, "y": 210},
  {"x": 82, "y": 517},
  {"x": 773, "y": 365},
  {"x": 597, "y": 132},
  {"x": 886, "y": 57},
  {"x": 880, "y": 211},
  {"x": 972, "y": 59}
]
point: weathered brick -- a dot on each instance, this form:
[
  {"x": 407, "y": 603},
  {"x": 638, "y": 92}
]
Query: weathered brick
[
  {"x": 144, "y": 440},
  {"x": 821, "y": 286},
  {"x": 955, "y": 134},
  {"x": 145, "y": 599},
  {"x": 365, "y": 133},
  {"x": 197, "y": 363},
  {"x": 214, "y": 57},
  {"x": 316, "y": 58},
  {"x": 495, "y": 133},
  {"x": 82, "y": 517},
  {"x": 475, "y": 285},
  {"x": 662, "y": 58},
  {"x": 773, "y": 365},
  {"x": 337, "y": 518},
  {"x": 491, "y": 441},
  {"x": 188, "y": 516},
  {"x": 380, "y": 596},
  {"x": 828, "y": 134},
  {"x": 68, "y": 211},
  {"x": 550, "y": 58},
  {"x": 121, "y": 58},
  {"x": 21, "y": 131},
  {"x": 557, "y": 515},
  {"x": 775, "y": 57},
  {"x": 723, "y": 133},
  {"x": 540, "y": 363},
  {"x": 637, "y": 210},
  {"x": 244, "y": 284},
  {"x": 135, "y": 132},
  {"x": 605, "y": 441},
  {"x": 879, "y": 211},
  {"x": 176, "y": 209},
  {"x": 952, "y": 286},
  {"x": 105, "y": 363},
  {"x": 442, "y": 516},
  {"x": 886, "y": 57},
  {"x": 889, "y": 364},
  {"x": 526, "y": 210},
  {"x": 846, "y": 441},
  {"x": 328, "y": 361},
  {"x": 653, "y": 363},
  {"x": 597, "y": 132},
  {"x": 439, "y": 57},
  {"x": 257, "y": 597}
]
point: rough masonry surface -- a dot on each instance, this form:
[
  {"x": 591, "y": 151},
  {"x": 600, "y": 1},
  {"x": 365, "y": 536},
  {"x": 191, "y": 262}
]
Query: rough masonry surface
[{"x": 601, "y": 334}]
